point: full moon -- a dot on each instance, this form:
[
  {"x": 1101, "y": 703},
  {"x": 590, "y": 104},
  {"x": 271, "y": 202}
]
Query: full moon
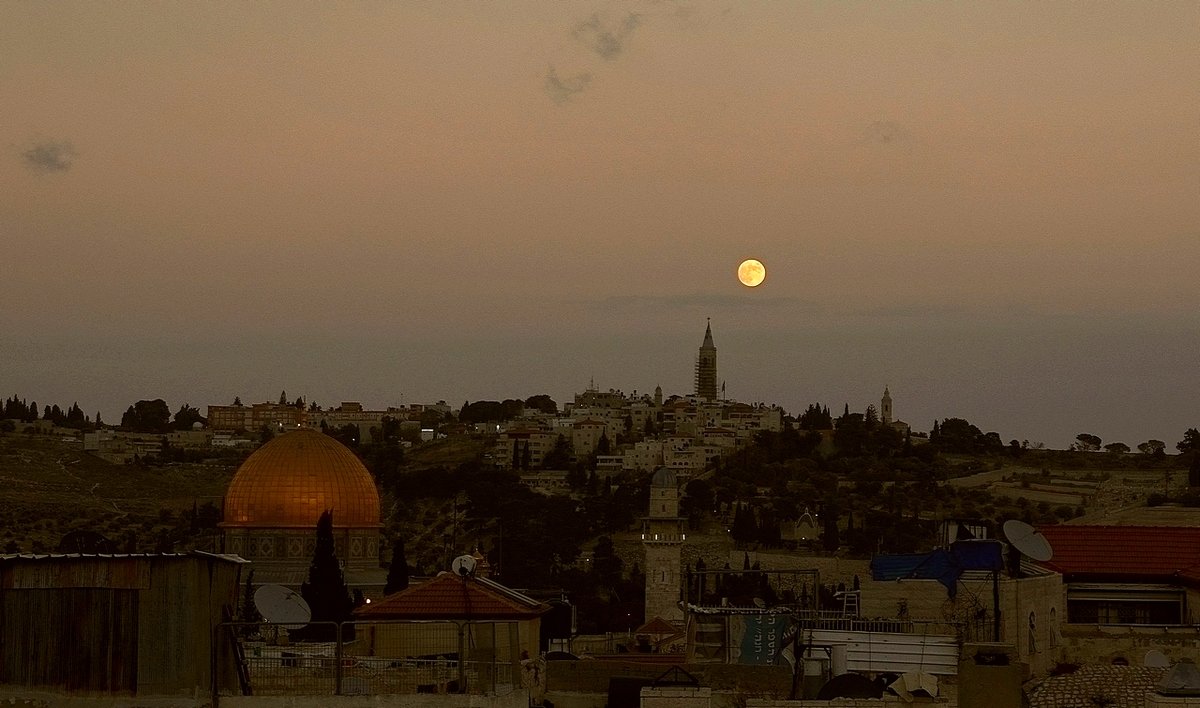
[{"x": 751, "y": 273}]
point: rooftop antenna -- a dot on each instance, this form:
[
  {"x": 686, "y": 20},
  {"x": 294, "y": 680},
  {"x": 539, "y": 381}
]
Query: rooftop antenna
[
  {"x": 1026, "y": 541},
  {"x": 282, "y": 606}
]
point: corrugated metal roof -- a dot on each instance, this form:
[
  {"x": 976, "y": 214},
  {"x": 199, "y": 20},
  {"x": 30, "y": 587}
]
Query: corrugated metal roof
[
  {"x": 1149, "y": 553},
  {"x": 130, "y": 571},
  {"x": 72, "y": 556},
  {"x": 233, "y": 558}
]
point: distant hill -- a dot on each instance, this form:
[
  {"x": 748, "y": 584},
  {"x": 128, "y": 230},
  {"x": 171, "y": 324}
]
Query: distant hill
[{"x": 49, "y": 488}]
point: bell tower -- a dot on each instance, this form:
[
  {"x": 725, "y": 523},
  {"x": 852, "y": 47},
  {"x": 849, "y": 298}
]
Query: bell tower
[
  {"x": 706, "y": 368},
  {"x": 885, "y": 407}
]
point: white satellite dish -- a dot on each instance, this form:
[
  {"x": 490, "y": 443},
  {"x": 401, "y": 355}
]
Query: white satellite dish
[
  {"x": 463, "y": 566},
  {"x": 280, "y": 605},
  {"x": 1027, "y": 540},
  {"x": 1155, "y": 659}
]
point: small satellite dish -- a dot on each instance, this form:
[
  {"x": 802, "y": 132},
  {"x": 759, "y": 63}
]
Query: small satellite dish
[
  {"x": 279, "y": 605},
  {"x": 463, "y": 566},
  {"x": 1155, "y": 659},
  {"x": 1027, "y": 540}
]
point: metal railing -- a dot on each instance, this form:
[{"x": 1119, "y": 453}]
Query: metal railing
[{"x": 380, "y": 657}]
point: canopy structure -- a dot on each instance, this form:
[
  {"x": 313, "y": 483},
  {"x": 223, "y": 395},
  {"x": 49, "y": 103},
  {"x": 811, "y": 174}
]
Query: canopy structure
[{"x": 943, "y": 565}]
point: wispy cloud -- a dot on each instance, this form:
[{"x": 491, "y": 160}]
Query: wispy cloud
[
  {"x": 561, "y": 89},
  {"x": 884, "y": 132},
  {"x": 49, "y": 157},
  {"x": 606, "y": 41}
]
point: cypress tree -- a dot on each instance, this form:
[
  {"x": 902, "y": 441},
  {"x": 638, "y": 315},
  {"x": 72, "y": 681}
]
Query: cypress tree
[
  {"x": 325, "y": 591},
  {"x": 397, "y": 577},
  {"x": 249, "y": 611}
]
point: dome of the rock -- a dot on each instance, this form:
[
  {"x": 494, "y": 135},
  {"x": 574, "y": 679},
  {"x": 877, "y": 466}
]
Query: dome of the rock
[
  {"x": 273, "y": 504},
  {"x": 291, "y": 480}
]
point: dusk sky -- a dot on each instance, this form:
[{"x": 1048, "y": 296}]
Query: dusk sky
[{"x": 991, "y": 207}]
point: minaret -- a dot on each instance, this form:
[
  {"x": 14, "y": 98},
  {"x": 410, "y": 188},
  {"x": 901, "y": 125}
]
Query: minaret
[
  {"x": 662, "y": 536},
  {"x": 706, "y": 368},
  {"x": 658, "y": 396},
  {"x": 885, "y": 407}
]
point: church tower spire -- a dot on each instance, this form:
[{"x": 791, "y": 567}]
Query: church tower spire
[{"x": 706, "y": 367}]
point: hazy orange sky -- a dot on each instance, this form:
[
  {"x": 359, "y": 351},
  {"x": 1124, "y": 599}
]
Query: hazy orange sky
[{"x": 993, "y": 208}]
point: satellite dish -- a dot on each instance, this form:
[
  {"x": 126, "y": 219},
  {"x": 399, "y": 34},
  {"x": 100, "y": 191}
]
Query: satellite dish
[
  {"x": 463, "y": 566},
  {"x": 1155, "y": 659},
  {"x": 280, "y": 605},
  {"x": 1027, "y": 540}
]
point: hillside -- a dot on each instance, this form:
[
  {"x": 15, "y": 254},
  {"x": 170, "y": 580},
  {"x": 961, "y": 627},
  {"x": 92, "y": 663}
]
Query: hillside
[{"x": 49, "y": 488}]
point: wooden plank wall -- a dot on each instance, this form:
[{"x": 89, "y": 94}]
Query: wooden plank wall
[
  {"x": 178, "y": 612},
  {"x": 150, "y": 635},
  {"x": 82, "y": 640}
]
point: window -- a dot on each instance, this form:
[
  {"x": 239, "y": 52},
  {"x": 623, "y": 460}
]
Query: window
[{"x": 1124, "y": 604}]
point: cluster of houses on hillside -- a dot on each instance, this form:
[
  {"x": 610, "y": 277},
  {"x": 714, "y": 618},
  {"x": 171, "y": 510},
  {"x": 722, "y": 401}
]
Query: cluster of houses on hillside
[{"x": 633, "y": 433}]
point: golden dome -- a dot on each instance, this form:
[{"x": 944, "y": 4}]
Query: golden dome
[{"x": 292, "y": 479}]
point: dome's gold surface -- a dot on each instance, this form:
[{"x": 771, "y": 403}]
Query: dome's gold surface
[{"x": 289, "y": 481}]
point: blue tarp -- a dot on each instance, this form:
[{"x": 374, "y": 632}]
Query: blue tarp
[
  {"x": 978, "y": 555},
  {"x": 942, "y": 565}
]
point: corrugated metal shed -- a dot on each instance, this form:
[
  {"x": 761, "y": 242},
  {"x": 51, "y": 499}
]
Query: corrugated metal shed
[{"x": 115, "y": 624}]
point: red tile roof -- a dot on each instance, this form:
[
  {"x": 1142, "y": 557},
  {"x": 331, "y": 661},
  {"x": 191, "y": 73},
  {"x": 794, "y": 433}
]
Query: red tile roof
[
  {"x": 449, "y": 597},
  {"x": 1147, "y": 553}
]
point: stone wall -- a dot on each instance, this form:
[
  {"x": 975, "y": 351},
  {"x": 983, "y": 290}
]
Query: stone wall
[
  {"x": 1156, "y": 701},
  {"x": 676, "y": 697},
  {"x": 577, "y": 699},
  {"x": 1088, "y": 644},
  {"x": 1031, "y": 611},
  {"x": 886, "y": 702},
  {"x": 516, "y": 699},
  {"x": 833, "y": 570},
  {"x": 719, "y": 549}
]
